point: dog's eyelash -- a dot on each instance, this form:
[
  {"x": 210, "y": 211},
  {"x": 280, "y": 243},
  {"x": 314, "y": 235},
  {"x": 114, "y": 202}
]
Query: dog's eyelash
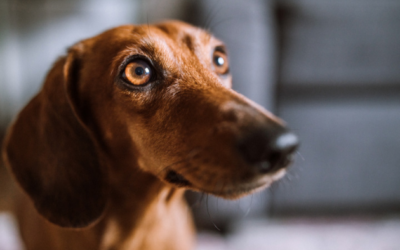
[{"x": 221, "y": 49}]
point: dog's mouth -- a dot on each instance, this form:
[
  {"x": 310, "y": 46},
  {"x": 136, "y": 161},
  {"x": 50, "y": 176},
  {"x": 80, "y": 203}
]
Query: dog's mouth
[
  {"x": 230, "y": 191},
  {"x": 176, "y": 179},
  {"x": 238, "y": 190}
]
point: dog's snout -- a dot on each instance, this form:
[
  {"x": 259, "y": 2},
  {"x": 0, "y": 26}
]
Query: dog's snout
[{"x": 268, "y": 149}]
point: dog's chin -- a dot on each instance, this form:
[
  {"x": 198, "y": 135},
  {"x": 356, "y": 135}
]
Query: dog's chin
[
  {"x": 238, "y": 190},
  {"x": 230, "y": 191}
]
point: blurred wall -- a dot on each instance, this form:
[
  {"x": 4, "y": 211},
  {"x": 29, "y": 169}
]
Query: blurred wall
[
  {"x": 34, "y": 33},
  {"x": 339, "y": 89}
]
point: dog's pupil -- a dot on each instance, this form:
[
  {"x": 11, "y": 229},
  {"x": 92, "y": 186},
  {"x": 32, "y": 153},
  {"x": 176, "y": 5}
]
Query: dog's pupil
[
  {"x": 139, "y": 71},
  {"x": 142, "y": 71}
]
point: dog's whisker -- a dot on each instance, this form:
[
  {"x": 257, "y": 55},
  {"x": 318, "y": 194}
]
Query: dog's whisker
[
  {"x": 211, "y": 15},
  {"x": 222, "y": 21},
  {"x": 249, "y": 208},
  {"x": 301, "y": 156},
  {"x": 209, "y": 215},
  {"x": 198, "y": 202}
]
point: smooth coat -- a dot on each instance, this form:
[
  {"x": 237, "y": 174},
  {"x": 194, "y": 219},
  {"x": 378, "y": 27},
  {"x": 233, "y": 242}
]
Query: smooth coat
[{"x": 92, "y": 154}]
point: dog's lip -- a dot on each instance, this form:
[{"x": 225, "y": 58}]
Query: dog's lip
[
  {"x": 242, "y": 189},
  {"x": 175, "y": 178}
]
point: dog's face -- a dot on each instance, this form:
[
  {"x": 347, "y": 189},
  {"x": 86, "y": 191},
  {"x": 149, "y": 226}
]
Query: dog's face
[{"x": 162, "y": 98}]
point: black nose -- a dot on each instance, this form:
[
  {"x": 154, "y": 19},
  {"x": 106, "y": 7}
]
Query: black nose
[{"x": 268, "y": 149}]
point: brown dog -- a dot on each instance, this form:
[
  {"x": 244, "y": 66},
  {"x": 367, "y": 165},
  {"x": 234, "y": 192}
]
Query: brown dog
[{"x": 122, "y": 126}]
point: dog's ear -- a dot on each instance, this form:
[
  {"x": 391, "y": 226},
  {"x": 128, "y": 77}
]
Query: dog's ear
[{"x": 53, "y": 155}]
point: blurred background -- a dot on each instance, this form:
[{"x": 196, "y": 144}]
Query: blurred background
[{"x": 329, "y": 68}]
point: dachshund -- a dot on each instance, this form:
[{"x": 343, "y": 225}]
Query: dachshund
[{"x": 123, "y": 125}]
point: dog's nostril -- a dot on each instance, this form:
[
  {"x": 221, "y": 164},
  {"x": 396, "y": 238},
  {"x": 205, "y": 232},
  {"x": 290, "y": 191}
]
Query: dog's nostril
[{"x": 268, "y": 150}]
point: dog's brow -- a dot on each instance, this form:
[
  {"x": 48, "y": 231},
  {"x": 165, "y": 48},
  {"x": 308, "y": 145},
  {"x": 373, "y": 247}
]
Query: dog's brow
[
  {"x": 158, "y": 49},
  {"x": 188, "y": 41},
  {"x": 166, "y": 29},
  {"x": 194, "y": 39}
]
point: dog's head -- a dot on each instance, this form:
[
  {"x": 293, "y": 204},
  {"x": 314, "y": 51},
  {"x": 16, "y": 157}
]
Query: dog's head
[{"x": 156, "y": 98}]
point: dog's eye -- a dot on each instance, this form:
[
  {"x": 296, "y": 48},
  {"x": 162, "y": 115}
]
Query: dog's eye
[
  {"x": 138, "y": 72},
  {"x": 220, "y": 61}
]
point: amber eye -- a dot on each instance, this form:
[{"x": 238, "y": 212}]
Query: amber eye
[
  {"x": 220, "y": 61},
  {"x": 138, "y": 72}
]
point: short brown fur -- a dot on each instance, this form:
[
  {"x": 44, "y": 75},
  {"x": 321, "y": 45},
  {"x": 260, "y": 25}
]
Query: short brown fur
[{"x": 94, "y": 155}]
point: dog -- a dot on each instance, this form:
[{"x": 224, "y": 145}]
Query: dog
[{"x": 123, "y": 125}]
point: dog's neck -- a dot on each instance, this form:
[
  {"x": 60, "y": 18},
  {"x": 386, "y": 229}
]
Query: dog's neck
[{"x": 143, "y": 209}]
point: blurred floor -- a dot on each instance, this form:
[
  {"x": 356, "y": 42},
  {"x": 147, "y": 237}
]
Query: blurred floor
[
  {"x": 9, "y": 239},
  {"x": 308, "y": 234},
  {"x": 283, "y": 234}
]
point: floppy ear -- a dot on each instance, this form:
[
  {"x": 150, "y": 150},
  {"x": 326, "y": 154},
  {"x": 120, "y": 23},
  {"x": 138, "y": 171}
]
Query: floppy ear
[{"x": 52, "y": 154}]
